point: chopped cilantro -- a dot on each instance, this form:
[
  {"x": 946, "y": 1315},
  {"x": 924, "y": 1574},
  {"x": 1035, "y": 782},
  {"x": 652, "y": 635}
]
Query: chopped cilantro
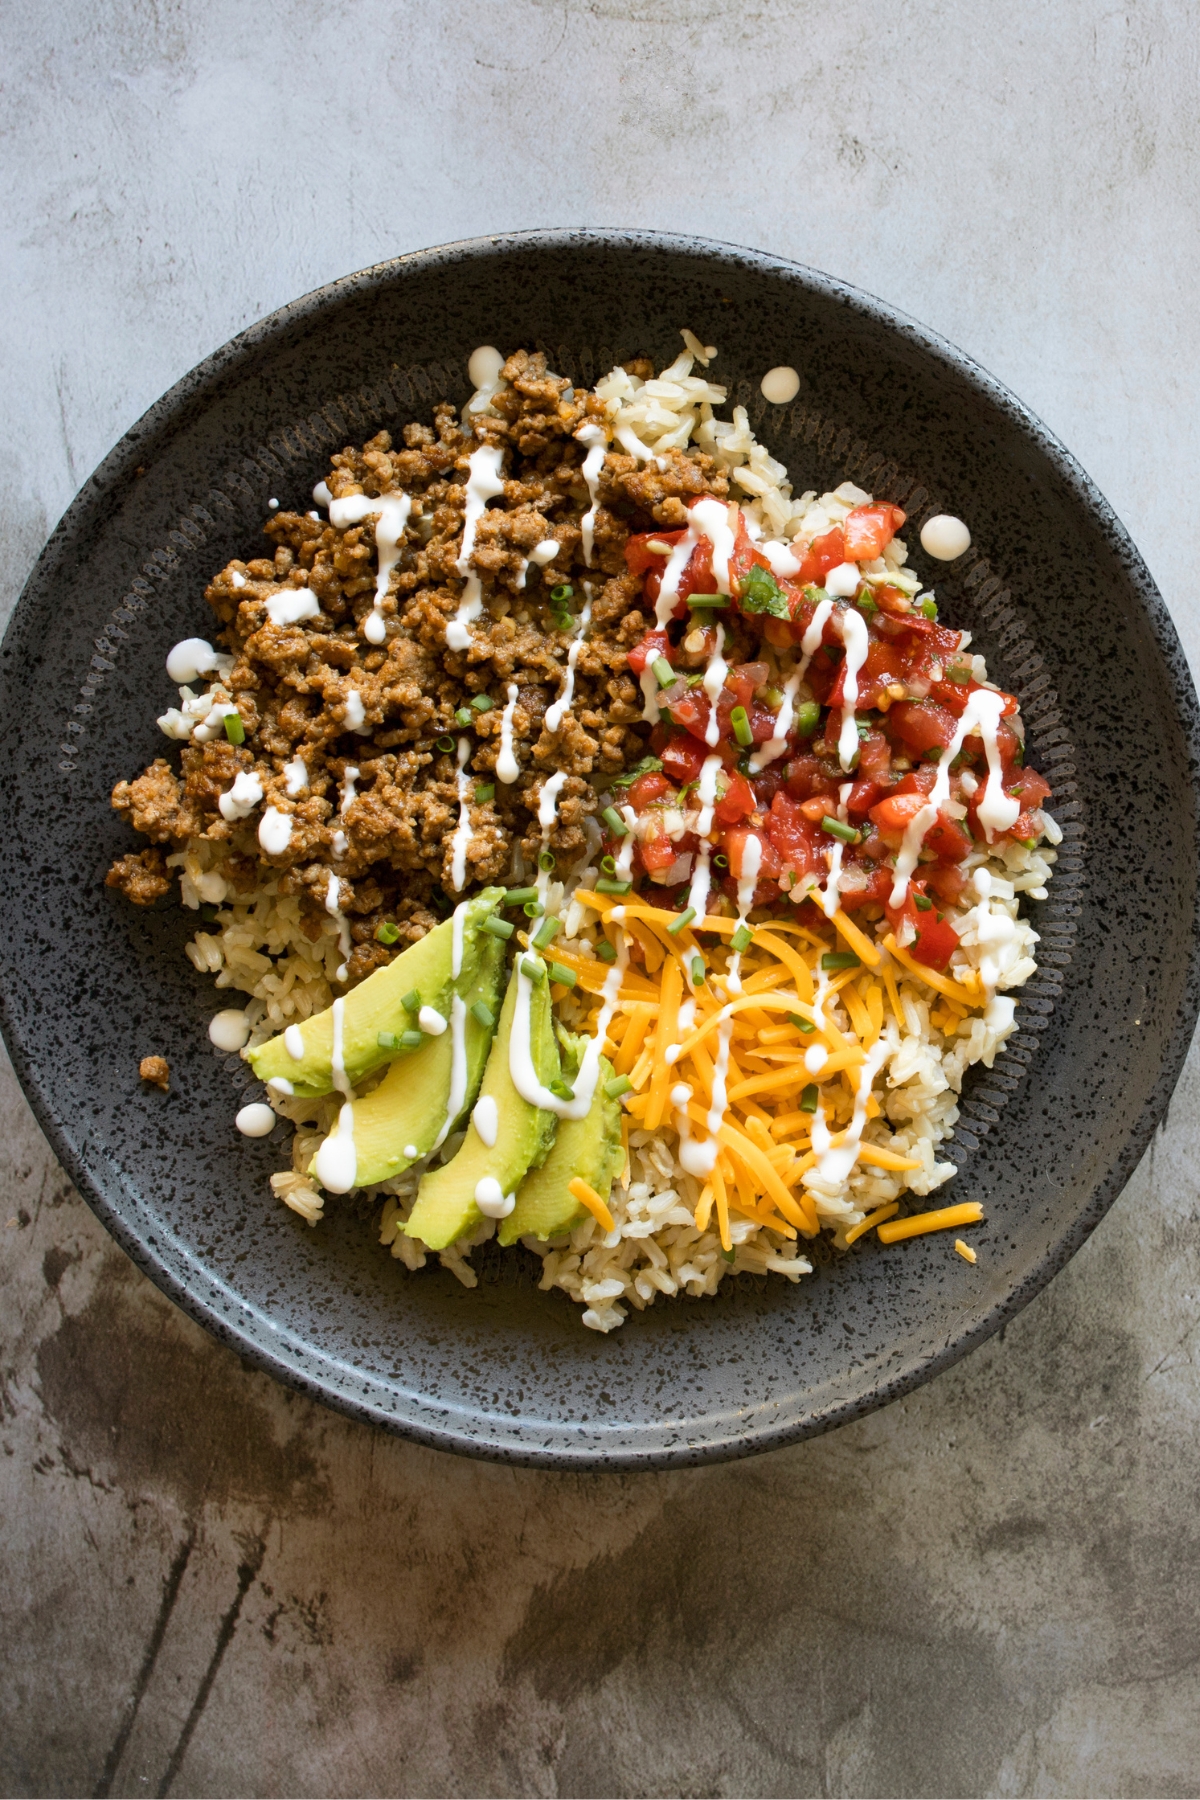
[{"x": 761, "y": 593}]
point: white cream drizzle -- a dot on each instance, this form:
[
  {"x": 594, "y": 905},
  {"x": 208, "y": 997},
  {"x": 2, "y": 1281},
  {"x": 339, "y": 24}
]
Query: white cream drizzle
[
  {"x": 706, "y": 519},
  {"x": 462, "y": 831},
  {"x": 292, "y": 605},
  {"x": 337, "y": 1159},
  {"x": 854, "y": 635},
  {"x": 714, "y": 681},
  {"x": 507, "y": 766},
  {"x": 333, "y": 894},
  {"x": 706, "y": 793},
  {"x": 486, "y": 1120},
  {"x": 293, "y": 1043},
  {"x": 491, "y": 1199},
  {"x": 295, "y": 776},
  {"x": 547, "y": 815},
  {"x": 229, "y": 1030},
  {"x": 356, "y": 713},
  {"x": 242, "y": 798},
  {"x": 391, "y": 513},
  {"x": 520, "y": 1054},
  {"x": 274, "y": 831},
  {"x": 997, "y": 811},
  {"x": 557, "y": 713},
  {"x": 484, "y": 482},
  {"x": 458, "y": 1067},
  {"x": 593, "y": 463}
]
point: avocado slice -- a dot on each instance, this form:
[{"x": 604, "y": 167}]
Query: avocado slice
[
  {"x": 446, "y": 1208},
  {"x": 589, "y": 1148},
  {"x": 405, "y": 1116},
  {"x": 375, "y": 1006}
]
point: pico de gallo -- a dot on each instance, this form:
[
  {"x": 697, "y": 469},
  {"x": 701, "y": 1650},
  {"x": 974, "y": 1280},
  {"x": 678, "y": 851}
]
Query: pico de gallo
[{"x": 815, "y": 728}]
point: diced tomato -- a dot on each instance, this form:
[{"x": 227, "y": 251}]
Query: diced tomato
[
  {"x": 793, "y": 835},
  {"x": 823, "y": 554},
  {"x": 877, "y": 889},
  {"x": 947, "y": 839},
  {"x": 918, "y": 781},
  {"x": 936, "y": 940},
  {"x": 885, "y": 663},
  {"x": 945, "y": 880},
  {"x": 652, "y": 646},
  {"x": 862, "y": 797},
  {"x": 657, "y": 852},
  {"x": 683, "y": 758},
  {"x": 1029, "y": 788},
  {"x": 735, "y": 842},
  {"x": 639, "y": 558},
  {"x": 869, "y": 529},
  {"x": 874, "y": 756},
  {"x": 808, "y": 775},
  {"x": 893, "y": 816},
  {"x": 737, "y": 800},
  {"x": 922, "y": 724},
  {"x": 647, "y": 789},
  {"x": 892, "y": 600}
]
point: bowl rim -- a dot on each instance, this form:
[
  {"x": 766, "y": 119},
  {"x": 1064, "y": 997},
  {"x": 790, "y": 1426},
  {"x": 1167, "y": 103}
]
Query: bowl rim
[{"x": 249, "y": 1330}]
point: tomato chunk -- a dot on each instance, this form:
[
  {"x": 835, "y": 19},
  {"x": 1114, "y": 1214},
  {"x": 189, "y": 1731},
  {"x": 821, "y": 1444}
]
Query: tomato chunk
[
  {"x": 736, "y": 841},
  {"x": 823, "y": 554},
  {"x": 647, "y": 789},
  {"x": 922, "y": 724},
  {"x": 737, "y": 800},
  {"x": 683, "y": 758},
  {"x": 869, "y": 529},
  {"x": 639, "y": 557},
  {"x": 652, "y": 646}
]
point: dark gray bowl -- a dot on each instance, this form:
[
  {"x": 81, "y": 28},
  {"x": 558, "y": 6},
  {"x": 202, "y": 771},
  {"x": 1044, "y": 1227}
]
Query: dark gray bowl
[{"x": 1059, "y": 601}]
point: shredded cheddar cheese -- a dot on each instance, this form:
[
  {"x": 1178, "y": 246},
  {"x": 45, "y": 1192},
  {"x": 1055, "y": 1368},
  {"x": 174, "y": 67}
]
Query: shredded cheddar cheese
[{"x": 969, "y": 1213}]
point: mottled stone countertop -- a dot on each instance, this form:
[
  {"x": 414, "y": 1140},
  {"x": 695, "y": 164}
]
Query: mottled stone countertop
[{"x": 212, "y": 1586}]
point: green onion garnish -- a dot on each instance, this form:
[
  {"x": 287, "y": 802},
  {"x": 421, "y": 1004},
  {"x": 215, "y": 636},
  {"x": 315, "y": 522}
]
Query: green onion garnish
[
  {"x": 411, "y": 1040},
  {"x": 518, "y": 896},
  {"x": 387, "y": 933},
  {"x": 808, "y": 1099},
  {"x": 483, "y": 1015},
  {"x": 533, "y": 909},
  {"x": 546, "y": 933},
  {"x": 620, "y": 1084},
  {"x": 742, "y": 939},
  {"x": 708, "y": 600},
  {"x": 605, "y": 952},
  {"x": 464, "y": 717},
  {"x": 559, "y": 1088},
  {"x": 387, "y": 1040},
  {"x": 959, "y": 674},
  {"x": 866, "y": 604},
  {"x": 807, "y": 718},
  {"x": 606, "y": 886},
  {"x": 485, "y": 793},
  {"x": 564, "y": 977},
  {"x": 546, "y": 861},
  {"x": 836, "y": 829},
  {"x": 411, "y": 1002},
  {"x": 609, "y": 864},
  {"x": 535, "y": 970},
  {"x": 482, "y": 704},
  {"x": 500, "y": 928},
  {"x": 698, "y": 971},
  {"x": 741, "y": 727},
  {"x": 921, "y": 903},
  {"x": 664, "y": 674},
  {"x": 840, "y": 959},
  {"x": 685, "y": 918},
  {"x": 563, "y": 592},
  {"x": 445, "y": 745},
  {"x": 798, "y": 1020},
  {"x": 235, "y": 731},
  {"x": 729, "y": 1255},
  {"x": 720, "y": 861},
  {"x": 615, "y": 822},
  {"x": 934, "y": 753},
  {"x": 929, "y": 608}
]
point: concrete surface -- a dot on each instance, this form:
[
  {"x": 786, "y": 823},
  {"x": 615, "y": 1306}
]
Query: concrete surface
[{"x": 211, "y": 1587}]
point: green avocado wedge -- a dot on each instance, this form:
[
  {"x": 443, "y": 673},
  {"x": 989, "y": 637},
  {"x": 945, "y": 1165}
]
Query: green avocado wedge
[
  {"x": 445, "y": 1209},
  {"x": 403, "y": 1118},
  {"x": 376, "y": 1005},
  {"x": 589, "y": 1149}
]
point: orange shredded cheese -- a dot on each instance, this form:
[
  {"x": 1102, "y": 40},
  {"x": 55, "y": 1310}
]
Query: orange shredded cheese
[
  {"x": 941, "y": 984},
  {"x": 872, "y": 1219},
  {"x": 943, "y": 1219},
  {"x": 587, "y": 1196},
  {"x": 965, "y": 1251}
]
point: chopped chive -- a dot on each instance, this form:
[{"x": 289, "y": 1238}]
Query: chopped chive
[
  {"x": 500, "y": 928},
  {"x": 615, "y": 822},
  {"x": 546, "y": 933},
  {"x": 808, "y": 1099},
  {"x": 559, "y": 1088},
  {"x": 483, "y": 1015},
  {"x": 929, "y": 608},
  {"x": 620, "y": 1084},
  {"x": 664, "y": 674},
  {"x": 720, "y": 861},
  {"x": 411, "y": 1002},
  {"x": 840, "y": 959},
  {"x": 564, "y": 977},
  {"x": 546, "y": 862},
  {"x": 713, "y": 600},
  {"x": 959, "y": 674},
  {"x": 742, "y": 939},
  {"x": 387, "y": 933},
  {"x": 800, "y": 1022},
  {"x": 464, "y": 717},
  {"x": 922, "y": 904},
  {"x": 866, "y": 604},
  {"x": 741, "y": 727},
  {"x": 445, "y": 745},
  {"x": 481, "y": 703},
  {"x": 533, "y": 909},
  {"x": 807, "y": 718},
  {"x": 387, "y": 1040},
  {"x": 605, "y": 952},
  {"x": 485, "y": 793},
  {"x": 235, "y": 731},
  {"x": 836, "y": 829},
  {"x": 729, "y": 1255},
  {"x": 609, "y": 864},
  {"x": 518, "y": 896},
  {"x": 535, "y": 970},
  {"x": 563, "y": 592},
  {"x": 605, "y": 886},
  {"x": 934, "y": 753},
  {"x": 772, "y": 697},
  {"x": 410, "y": 1040},
  {"x": 685, "y": 918},
  {"x": 698, "y": 971}
]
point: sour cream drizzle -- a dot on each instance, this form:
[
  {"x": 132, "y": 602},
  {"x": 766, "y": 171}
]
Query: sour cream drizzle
[
  {"x": 462, "y": 831},
  {"x": 520, "y": 1054},
  {"x": 458, "y": 1068},
  {"x": 547, "y": 815},
  {"x": 391, "y": 516},
  {"x": 698, "y": 1156},
  {"x": 484, "y": 482},
  {"x": 853, "y": 629},
  {"x": 507, "y": 766},
  {"x": 714, "y": 681},
  {"x": 706, "y": 793},
  {"x": 274, "y": 831},
  {"x": 557, "y": 713},
  {"x": 337, "y": 1159},
  {"x": 997, "y": 811},
  {"x": 593, "y": 463},
  {"x": 333, "y": 894}
]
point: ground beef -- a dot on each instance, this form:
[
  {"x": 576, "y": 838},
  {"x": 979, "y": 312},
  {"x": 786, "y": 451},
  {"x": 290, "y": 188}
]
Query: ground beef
[
  {"x": 320, "y": 693},
  {"x": 156, "y": 1070}
]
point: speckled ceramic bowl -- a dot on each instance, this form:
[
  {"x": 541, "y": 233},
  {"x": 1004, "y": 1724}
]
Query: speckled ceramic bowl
[{"x": 1060, "y": 603}]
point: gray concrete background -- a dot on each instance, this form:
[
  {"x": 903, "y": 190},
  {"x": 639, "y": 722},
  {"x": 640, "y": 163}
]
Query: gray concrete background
[{"x": 213, "y": 1587}]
